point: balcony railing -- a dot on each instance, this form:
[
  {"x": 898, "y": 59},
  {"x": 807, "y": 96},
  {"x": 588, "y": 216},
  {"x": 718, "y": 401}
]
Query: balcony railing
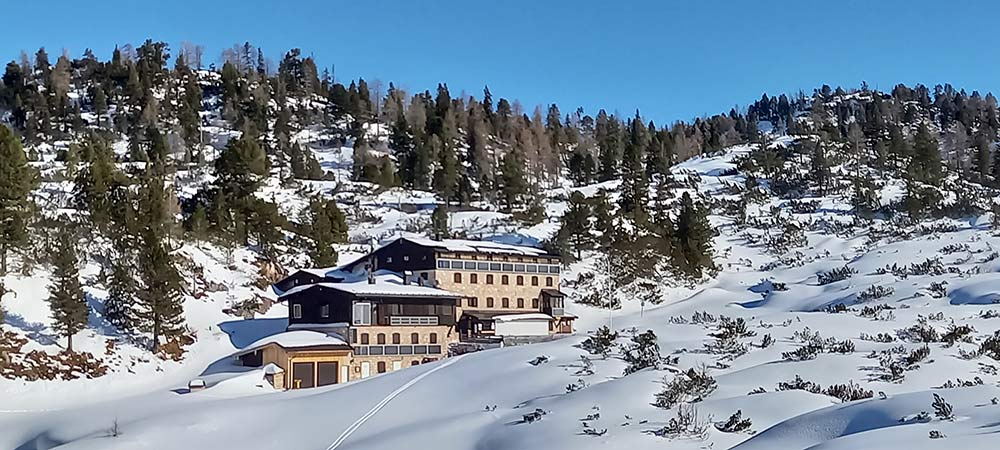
[
  {"x": 413, "y": 320},
  {"x": 393, "y": 350}
]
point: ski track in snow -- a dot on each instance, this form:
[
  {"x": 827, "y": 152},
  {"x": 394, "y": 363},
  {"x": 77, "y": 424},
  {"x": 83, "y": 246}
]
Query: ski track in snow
[{"x": 385, "y": 401}]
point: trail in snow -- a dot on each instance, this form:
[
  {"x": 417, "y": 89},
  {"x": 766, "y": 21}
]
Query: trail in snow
[{"x": 385, "y": 401}]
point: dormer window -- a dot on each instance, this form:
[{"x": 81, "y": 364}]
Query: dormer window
[{"x": 388, "y": 260}]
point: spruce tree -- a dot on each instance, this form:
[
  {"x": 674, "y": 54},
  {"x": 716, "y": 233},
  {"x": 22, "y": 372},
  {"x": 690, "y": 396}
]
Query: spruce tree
[
  {"x": 120, "y": 305},
  {"x": 439, "y": 223},
  {"x": 66, "y": 297},
  {"x": 925, "y": 165},
  {"x": 159, "y": 308},
  {"x": 321, "y": 250},
  {"x": 693, "y": 236},
  {"x": 17, "y": 180},
  {"x": 574, "y": 226}
]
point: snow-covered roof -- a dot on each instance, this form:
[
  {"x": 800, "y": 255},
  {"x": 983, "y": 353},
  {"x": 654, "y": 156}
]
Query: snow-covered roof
[
  {"x": 272, "y": 368},
  {"x": 296, "y": 339},
  {"x": 525, "y": 316},
  {"x": 465, "y": 245},
  {"x": 389, "y": 284}
]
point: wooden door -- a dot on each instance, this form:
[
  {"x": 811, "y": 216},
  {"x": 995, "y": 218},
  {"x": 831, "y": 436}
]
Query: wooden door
[
  {"x": 303, "y": 375},
  {"x": 326, "y": 373},
  {"x": 366, "y": 369}
]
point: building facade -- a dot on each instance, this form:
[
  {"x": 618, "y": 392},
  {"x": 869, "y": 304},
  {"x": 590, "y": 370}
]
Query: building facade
[{"x": 407, "y": 303}]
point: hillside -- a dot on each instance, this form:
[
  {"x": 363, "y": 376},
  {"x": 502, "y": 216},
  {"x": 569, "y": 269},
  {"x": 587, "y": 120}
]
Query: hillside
[{"x": 823, "y": 265}]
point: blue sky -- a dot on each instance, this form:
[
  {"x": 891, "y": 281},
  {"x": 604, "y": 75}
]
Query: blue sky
[{"x": 673, "y": 60}]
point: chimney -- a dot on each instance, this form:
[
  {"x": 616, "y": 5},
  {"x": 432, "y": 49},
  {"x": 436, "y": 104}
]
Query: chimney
[
  {"x": 406, "y": 276},
  {"x": 371, "y": 275}
]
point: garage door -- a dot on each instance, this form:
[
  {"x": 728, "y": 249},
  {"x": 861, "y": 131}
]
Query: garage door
[
  {"x": 327, "y": 373},
  {"x": 302, "y": 375}
]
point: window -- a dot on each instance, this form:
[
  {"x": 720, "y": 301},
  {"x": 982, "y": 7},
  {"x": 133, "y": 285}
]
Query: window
[
  {"x": 354, "y": 336},
  {"x": 414, "y": 338},
  {"x": 489, "y": 302},
  {"x": 364, "y": 338},
  {"x": 423, "y": 275},
  {"x": 489, "y": 279},
  {"x": 414, "y": 363},
  {"x": 434, "y": 338},
  {"x": 534, "y": 303},
  {"x": 406, "y": 257},
  {"x": 495, "y": 267},
  {"x": 443, "y": 264},
  {"x": 381, "y": 367},
  {"x": 534, "y": 281},
  {"x": 520, "y": 303},
  {"x": 324, "y": 311},
  {"x": 470, "y": 265},
  {"x": 504, "y": 280},
  {"x": 380, "y": 339},
  {"x": 296, "y": 311},
  {"x": 396, "y": 339},
  {"x": 388, "y": 260},
  {"x": 548, "y": 281},
  {"x": 531, "y": 268},
  {"x": 473, "y": 302},
  {"x": 505, "y": 302},
  {"x": 474, "y": 278},
  {"x": 518, "y": 267},
  {"x": 362, "y": 314},
  {"x": 458, "y": 302},
  {"x": 482, "y": 266},
  {"x": 520, "y": 280},
  {"x": 458, "y": 277},
  {"x": 508, "y": 267}
]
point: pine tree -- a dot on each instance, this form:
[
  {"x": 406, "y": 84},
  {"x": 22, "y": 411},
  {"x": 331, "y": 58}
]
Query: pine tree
[
  {"x": 66, "y": 297},
  {"x": 925, "y": 166},
  {"x": 693, "y": 235},
  {"x": 513, "y": 186},
  {"x": 159, "y": 308},
  {"x": 120, "y": 306},
  {"x": 439, "y": 223},
  {"x": 17, "y": 180},
  {"x": 574, "y": 226},
  {"x": 321, "y": 251}
]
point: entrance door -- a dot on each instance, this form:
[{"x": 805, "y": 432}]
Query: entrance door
[
  {"x": 303, "y": 375},
  {"x": 366, "y": 369},
  {"x": 327, "y": 373},
  {"x": 396, "y": 365}
]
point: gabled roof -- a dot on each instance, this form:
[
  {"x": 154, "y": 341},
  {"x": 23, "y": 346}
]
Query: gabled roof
[{"x": 387, "y": 284}]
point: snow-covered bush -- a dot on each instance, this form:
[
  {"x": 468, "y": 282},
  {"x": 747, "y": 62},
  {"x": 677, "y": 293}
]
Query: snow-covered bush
[
  {"x": 687, "y": 424},
  {"x": 958, "y": 333},
  {"x": 804, "y": 353},
  {"x": 942, "y": 409},
  {"x": 644, "y": 352},
  {"x": 798, "y": 384},
  {"x": 835, "y": 275},
  {"x": 735, "y": 424},
  {"x": 690, "y": 386},
  {"x": 601, "y": 342},
  {"x": 848, "y": 392},
  {"x": 874, "y": 292}
]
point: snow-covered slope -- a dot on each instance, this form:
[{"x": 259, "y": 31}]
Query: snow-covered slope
[{"x": 478, "y": 401}]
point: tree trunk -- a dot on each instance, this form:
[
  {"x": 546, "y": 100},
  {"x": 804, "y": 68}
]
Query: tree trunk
[{"x": 69, "y": 343}]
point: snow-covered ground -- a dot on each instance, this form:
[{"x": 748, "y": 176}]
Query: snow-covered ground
[{"x": 477, "y": 401}]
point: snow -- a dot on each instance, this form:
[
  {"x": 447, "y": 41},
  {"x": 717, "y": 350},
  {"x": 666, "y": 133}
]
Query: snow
[
  {"x": 463, "y": 245},
  {"x": 296, "y": 339},
  {"x": 386, "y": 284},
  {"x": 520, "y": 317}
]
